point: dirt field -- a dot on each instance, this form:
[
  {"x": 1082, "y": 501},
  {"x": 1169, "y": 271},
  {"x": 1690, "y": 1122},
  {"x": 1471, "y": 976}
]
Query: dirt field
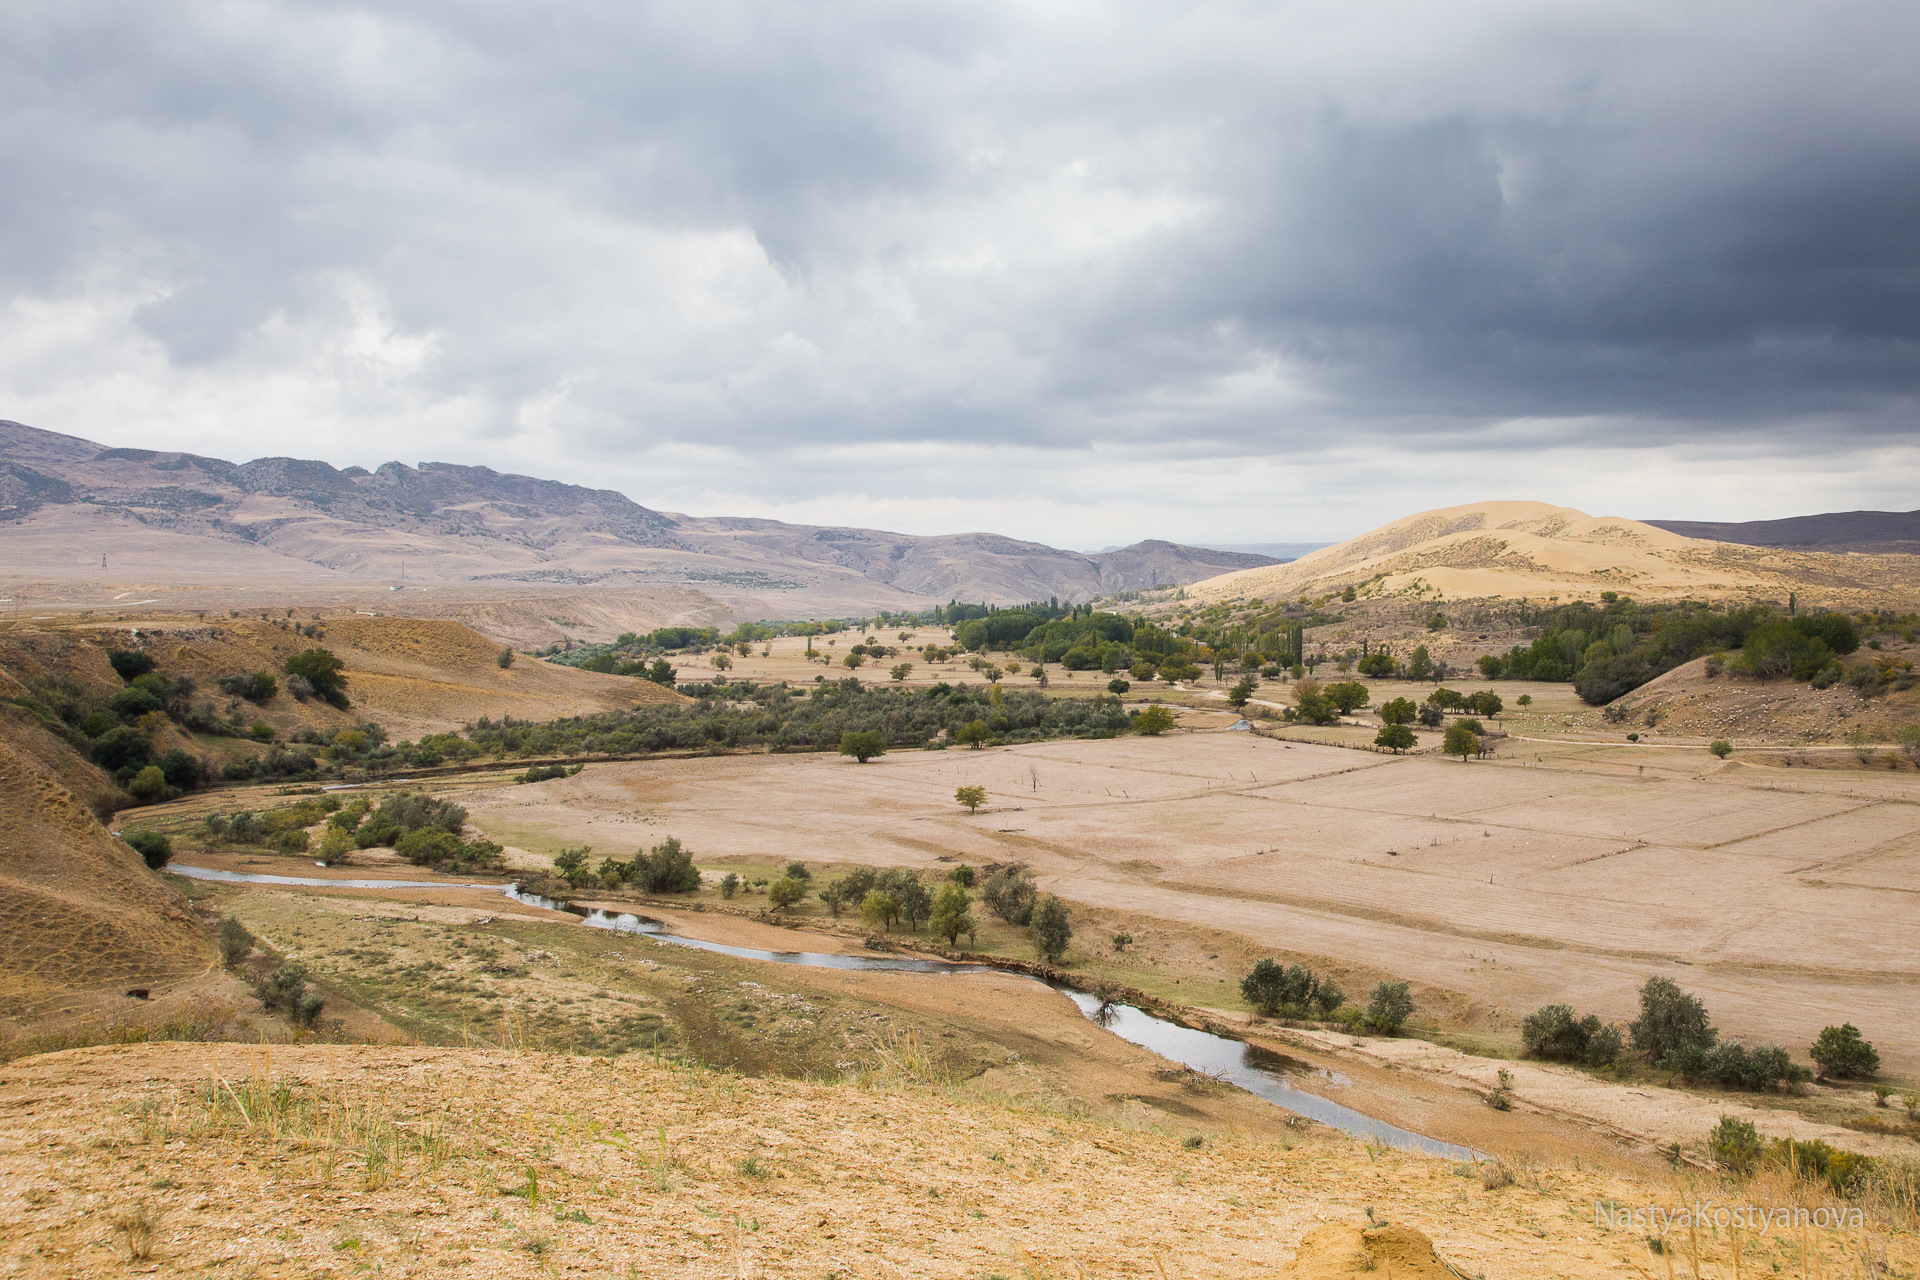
[{"x": 1556, "y": 873}]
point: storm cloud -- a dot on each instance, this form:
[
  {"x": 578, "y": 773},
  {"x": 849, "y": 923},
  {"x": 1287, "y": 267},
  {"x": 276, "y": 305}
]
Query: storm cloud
[{"x": 1083, "y": 272}]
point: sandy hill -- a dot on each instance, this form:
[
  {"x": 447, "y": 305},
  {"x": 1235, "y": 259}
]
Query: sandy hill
[
  {"x": 1539, "y": 551},
  {"x": 171, "y": 518},
  {"x": 494, "y": 1163}
]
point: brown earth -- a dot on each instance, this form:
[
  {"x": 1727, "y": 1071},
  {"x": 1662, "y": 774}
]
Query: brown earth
[{"x": 283, "y": 1161}]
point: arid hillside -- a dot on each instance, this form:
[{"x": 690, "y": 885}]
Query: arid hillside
[
  {"x": 165, "y": 520},
  {"x": 333, "y": 1160},
  {"x": 82, "y": 919},
  {"x": 1533, "y": 550}
]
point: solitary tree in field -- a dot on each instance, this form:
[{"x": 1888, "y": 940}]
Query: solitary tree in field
[
  {"x": 900, "y": 671},
  {"x": 972, "y": 797},
  {"x": 1396, "y": 736},
  {"x": 863, "y": 744},
  {"x": 1389, "y": 1007},
  {"x": 1460, "y": 741}
]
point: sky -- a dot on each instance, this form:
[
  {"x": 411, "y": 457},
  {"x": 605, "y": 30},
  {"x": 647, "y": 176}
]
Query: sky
[{"x": 1076, "y": 272}]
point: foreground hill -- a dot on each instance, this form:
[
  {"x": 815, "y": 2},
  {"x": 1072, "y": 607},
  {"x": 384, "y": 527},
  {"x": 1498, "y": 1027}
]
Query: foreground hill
[
  {"x": 1869, "y": 532},
  {"x": 410, "y": 1161},
  {"x": 1537, "y": 551},
  {"x": 66, "y": 502}
]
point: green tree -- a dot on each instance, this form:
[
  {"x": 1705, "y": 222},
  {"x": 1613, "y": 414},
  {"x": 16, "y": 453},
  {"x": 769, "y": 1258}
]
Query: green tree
[
  {"x": 129, "y": 664},
  {"x": 148, "y": 785},
  {"x": 1240, "y": 694},
  {"x": 1670, "y": 1022},
  {"x": 661, "y": 672},
  {"x": 666, "y": 868},
  {"x": 324, "y": 673},
  {"x": 1399, "y": 711},
  {"x": 1346, "y": 695},
  {"x": 962, "y": 875},
  {"x": 1117, "y": 685},
  {"x": 854, "y": 661},
  {"x": 730, "y": 885},
  {"x": 1389, "y": 1007},
  {"x": 900, "y": 671},
  {"x": 1841, "y": 1054},
  {"x": 798, "y": 870},
  {"x": 864, "y": 744},
  {"x": 1311, "y": 704},
  {"x": 952, "y": 914},
  {"x": 1154, "y": 721},
  {"x": 880, "y": 909},
  {"x": 1460, "y": 741},
  {"x": 236, "y": 944},
  {"x": 973, "y": 734},
  {"x": 1264, "y": 987},
  {"x": 786, "y": 891},
  {"x": 1010, "y": 894},
  {"x": 1051, "y": 929},
  {"x": 972, "y": 797},
  {"x": 1396, "y": 736},
  {"x": 1420, "y": 664},
  {"x": 570, "y": 864},
  {"x": 1431, "y": 716},
  {"x": 1721, "y": 747}
]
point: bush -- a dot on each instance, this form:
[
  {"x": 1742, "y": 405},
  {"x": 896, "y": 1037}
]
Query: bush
[
  {"x": 1294, "y": 990},
  {"x": 1553, "y": 1033},
  {"x": 133, "y": 702},
  {"x": 148, "y": 785},
  {"x": 285, "y": 991},
  {"x": 730, "y": 885},
  {"x": 785, "y": 891},
  {"x": 1734, "y": 1145},
  {"x": 503, "y": 659},
  {"x": 324, "y": 674},
  {"x": 408, "y": 811},
  {"x": 1670, "y": 1021},
  {"x": 1009, "y": 893},
  {"x": 129, "y": 664},
  {"x": 153, "y": 846},
  {"x": 1389, "y": 1007},
  {"x": 666, "y": 868},
  {"x": 1154, "y": 721},
  {"x": 1815, "y": 1161},
  {"x": 236, "y": 944},
  {"x": 256, "y": 686},
  {"x": 1841, "y": 1054},
  {"x": 1721, "y": 747},
  {"x": 1118, "y": 685}
]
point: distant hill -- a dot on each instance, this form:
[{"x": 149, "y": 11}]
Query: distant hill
[
  {"x": 64, "y": 502},
  {"x": 1539, "y": 551},
  {"x": 1871, "y": 532}
]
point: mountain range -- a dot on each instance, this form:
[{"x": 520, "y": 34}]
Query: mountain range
[
  {"x": 161, "y": 517},
  {"x": 1869, "y": 532}
]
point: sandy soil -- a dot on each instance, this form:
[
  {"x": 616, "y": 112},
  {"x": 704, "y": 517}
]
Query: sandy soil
[
  {"x": 406, "y": 1161},
  {"x": 1556, "y": 873}
]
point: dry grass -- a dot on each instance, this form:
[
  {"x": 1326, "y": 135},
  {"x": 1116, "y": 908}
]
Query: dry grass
[{"x": 499, "y": 1163}]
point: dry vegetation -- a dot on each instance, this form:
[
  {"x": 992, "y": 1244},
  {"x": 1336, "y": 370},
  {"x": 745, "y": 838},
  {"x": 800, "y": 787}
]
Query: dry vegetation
[{"x": 319, "y": 1160}]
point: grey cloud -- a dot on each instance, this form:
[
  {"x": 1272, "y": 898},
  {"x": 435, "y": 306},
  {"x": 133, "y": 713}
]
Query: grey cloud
[{"x": 1237, "y": 229}]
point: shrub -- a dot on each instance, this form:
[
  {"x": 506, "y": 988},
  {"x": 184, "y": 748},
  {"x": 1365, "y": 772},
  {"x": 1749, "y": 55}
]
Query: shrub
[
  {"x": 962, "y": 875},
  {"x": 1051, "y": 929},
  {"x": 786, "y": 891},
  {"x": 299, "y": 688},
  {"x": 1734, "y": 1144},
  {"x": 285, "y": 991},
  {"x": 428, "y": 846},
  {"x": 1389, "y": 1007},
  {"x": 1154, "y": 721},
  {"x": 1670, "y": 1021},
  {"x": 1721, "y": 747},
  {"x": 129, "y": 664},
  {"x": 1294, "y": 990},
  {"x": 1841, "y": 1054},
  {"x": 730, "y": 885},
  {"x": 133, "y": 702},
  {"x": 148, "y": 785},
  {"x": 153, "y": 846},
  {"x": 666, "y": 868},
  {"x": 408, "y": 811},
  {"x": 503, "y": 659},
  {"x": 1816, "y": 1161},
  {"x": 324, "y": 674},
  {"x": 257, "y": 686},
  {"x": 236, "y": 944},
  {"x": 1553, "y": 1033},
  {"x": 1009, "y": 893}
]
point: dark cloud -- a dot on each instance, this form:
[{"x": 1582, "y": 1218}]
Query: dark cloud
[{"x": 590, "y": 230}]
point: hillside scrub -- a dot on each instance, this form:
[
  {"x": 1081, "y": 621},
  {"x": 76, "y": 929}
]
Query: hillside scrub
[
  {"x": 1614, "y": 646},
  {"x": 1554, "y": 1033},
  {"x": 776, "y": 716}
]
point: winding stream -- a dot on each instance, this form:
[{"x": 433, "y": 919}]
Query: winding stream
[{"x": 1261, "y": 1072}]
